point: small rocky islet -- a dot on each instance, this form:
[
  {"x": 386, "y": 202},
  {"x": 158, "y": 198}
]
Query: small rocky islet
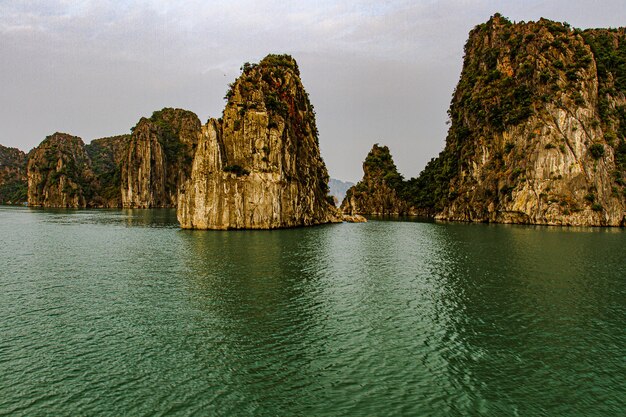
[
  {"x": 259, "y": 166},
  {"x": 537, "y": 136}
]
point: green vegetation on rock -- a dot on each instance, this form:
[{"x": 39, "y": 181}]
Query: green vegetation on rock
[
  {"x": 273, "y": 77},
  {"x": 237, "y": 170},
  {"x": 159, "y": 156},
  {"x": 60, "y": 174},
  {"x": 382, "y": 188},
  {"x": 13, "y": 182},
  {"x": 106, "y": 155},
  {"x": 267, "y": 137},
  {"x": 609, "y": 50},
  {"x": 518, "y": 98}
]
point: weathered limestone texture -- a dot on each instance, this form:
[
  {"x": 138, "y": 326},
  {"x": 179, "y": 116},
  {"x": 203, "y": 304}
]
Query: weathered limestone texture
[
  {"x": 13, "y": 179},
  {"x": 537, "y": 127},
  {"x": 59, "y": 173},
  {"x": 377, "y": 192},
  {"x": 158, "y": 158},
  {"x": 259, "y": 167}
]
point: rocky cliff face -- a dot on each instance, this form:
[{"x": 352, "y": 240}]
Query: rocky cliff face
[
  {"x": 158, "y": 158},
  {"x": 538, "y": 126},
  {"x": 59, "y": 173},
  {"x": 106, "y": 156},
  {"x": 259, "y": 167},
  {"x": 379, "y": 190},
  {"x": 13, "y": 180}
]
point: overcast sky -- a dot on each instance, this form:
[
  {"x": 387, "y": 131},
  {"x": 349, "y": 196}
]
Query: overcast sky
[{"x": 376, "y": 71}]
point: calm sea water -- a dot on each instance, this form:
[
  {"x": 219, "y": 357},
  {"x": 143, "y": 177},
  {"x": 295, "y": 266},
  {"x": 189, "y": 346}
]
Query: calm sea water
[{"x": 122, "y": 313}]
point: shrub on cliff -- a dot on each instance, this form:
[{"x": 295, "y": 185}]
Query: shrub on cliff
[
  {"x": 237, "y": 170},
  {"x": 597, "y": 150}
]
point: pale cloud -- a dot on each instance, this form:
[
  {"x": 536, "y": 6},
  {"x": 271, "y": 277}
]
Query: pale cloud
[{"x": 376, "y": 71}]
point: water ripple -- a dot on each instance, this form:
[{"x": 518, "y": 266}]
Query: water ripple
[{"x": 121, "y": 313}]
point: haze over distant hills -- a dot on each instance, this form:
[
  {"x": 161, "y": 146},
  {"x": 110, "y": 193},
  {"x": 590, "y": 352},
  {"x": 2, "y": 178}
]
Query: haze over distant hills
[{"x": 338, "y": 189}]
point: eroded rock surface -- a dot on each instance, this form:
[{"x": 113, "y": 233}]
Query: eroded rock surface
[
  {"x": 259, "y": 167},
  {"x": 379, "y": 191},
  {"x": 158, "y": 158},
  {"x": 13, "y": 179},
  {"x": 106, "y": 156},
  {"x": 59, "y": 173},
  {"x": 538, "y": 126}
]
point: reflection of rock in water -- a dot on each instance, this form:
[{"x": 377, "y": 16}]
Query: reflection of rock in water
[
  {"x": 261, "y": 289},
  {"x": 249, "y": 272},
  {"x": 150, "y": 218}
]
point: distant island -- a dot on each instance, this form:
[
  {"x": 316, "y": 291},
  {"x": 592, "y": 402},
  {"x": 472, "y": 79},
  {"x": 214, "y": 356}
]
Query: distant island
[{"x": 537, "y": 136}]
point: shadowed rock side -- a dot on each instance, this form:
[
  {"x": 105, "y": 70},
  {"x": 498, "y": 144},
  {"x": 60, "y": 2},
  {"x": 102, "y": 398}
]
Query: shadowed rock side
[
  {"x": 64, "y": 172},
  {"x": 259, "y": 167},
  {"x": 106, "y": 155},
  {"x": 538, "y": 126},
  {"x": 13, "y": 179},
  {"x": 59, "y": 173},
  {"x": 158, "y": 158},
  {"x": 379, "y": 191}
]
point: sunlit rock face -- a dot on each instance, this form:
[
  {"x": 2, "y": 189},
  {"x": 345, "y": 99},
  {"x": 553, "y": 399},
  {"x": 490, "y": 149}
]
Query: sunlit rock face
[
  {"x": 538, "y": 125},
  {"x": 259, "y": 166}
]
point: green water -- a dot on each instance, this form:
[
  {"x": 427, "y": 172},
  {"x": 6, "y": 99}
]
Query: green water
[{"x": 121, "y": 313}]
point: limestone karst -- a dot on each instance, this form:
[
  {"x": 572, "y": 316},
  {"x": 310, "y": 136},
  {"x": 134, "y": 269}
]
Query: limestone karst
[
  {"x": 537, "y": 136},
  {"x": 259, "y": 166},
  {"x": 158, "y": 158},
  {"x": 537, "y": 130},
  {"x": 13, "y": 181},
  {"x": 378, "y": 192},
  {"x": 538, "y": 123},
  {"x": 106, "y": 155},
  {"x": 59, "y": 173}
]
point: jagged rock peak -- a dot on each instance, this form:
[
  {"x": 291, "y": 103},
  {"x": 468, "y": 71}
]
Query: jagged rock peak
[
  {"x": 538, "y": 125},
  {"x": 158, "y": 158},
  {"x": 259, "y": 166},
  {"x": 379, "y": 165},
  {"x": 380, "y": 190},
  {"x": 59, "y": 173}
]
